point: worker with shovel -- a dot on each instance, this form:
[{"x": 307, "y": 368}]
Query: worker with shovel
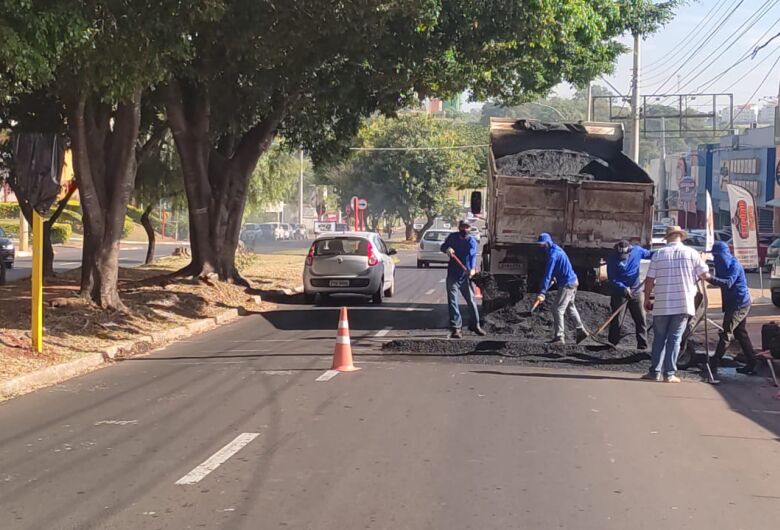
[
  {"x": 623, "y": 274},
  {"x": 559, "y": 269},
  {"x": 730, "y": 277},
  {"x": 461, "y": 247}
]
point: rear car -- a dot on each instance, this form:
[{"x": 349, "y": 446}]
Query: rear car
[
  {"x": 7, "y": 250},
  {"x": 429, "y": 250},
  {"x": 349, "y": 263}
]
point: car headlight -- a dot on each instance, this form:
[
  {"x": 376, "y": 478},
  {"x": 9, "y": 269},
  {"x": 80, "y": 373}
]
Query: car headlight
[{"x": 8, "y": 246}]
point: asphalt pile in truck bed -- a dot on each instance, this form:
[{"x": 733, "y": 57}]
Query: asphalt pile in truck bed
[{"x": 550, "y": 163}]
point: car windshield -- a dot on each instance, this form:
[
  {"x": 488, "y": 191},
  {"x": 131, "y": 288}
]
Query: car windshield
[
  {"x": 341, "y": 246},
  {"x": 435, "y": 236}
]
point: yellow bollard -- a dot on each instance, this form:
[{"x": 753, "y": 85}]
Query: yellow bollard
[{"x": 37, "y": 283}]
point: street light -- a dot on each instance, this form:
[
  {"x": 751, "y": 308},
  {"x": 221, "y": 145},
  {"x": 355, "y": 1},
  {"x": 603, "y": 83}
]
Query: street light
[{"x": 548, "y": 107}]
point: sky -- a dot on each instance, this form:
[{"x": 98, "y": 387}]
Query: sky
[{"x": 701, "y": 33}]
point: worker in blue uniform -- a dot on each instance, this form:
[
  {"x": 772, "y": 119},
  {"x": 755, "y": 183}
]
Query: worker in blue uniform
[
  {"x": 559, "y": 269},
  {"x": 623, "y": 275},
  {"x": 463, "y": 246}
]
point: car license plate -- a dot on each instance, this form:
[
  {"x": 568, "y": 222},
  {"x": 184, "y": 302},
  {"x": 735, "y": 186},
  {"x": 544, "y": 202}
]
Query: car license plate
[{"x": 339, "y": 283}]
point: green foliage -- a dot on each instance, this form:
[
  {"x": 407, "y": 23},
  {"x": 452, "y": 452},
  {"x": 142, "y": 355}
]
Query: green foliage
[
  {"x": 412, "y": 182},
  {"x": 60, "y": 233},
  {"x": 274, "y": 179},
  {"x": 9, "y": 210},
  {"x": 159, "y": 177},
  {"x": 645, "y": 17}
]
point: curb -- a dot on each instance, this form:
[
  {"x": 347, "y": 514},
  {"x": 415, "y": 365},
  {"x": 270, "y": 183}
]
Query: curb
[{"x": 51, "y": 375}]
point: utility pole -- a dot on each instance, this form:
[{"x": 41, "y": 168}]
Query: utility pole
[
  {"x": 589, "y": 113},
  {"x": 635, "y": 100},
  {"x": 300, "y": 193},
  {"x": 664, "y": 175}
]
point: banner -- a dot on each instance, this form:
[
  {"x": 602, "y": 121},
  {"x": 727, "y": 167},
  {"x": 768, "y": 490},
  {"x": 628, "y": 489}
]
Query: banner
[
  {"x": 709, "y": 228},
  {"x": 744, "y": 228}
]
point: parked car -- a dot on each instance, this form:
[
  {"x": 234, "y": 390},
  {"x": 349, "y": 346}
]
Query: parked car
[
  {"x": 774, "y": 282},
  {"x": 7, "y": 250},
  {"x": 299, "y": 232},
  {"x": 349, "y": 263},
  {"x": 287, "y": 231},
  {"x": 429, "y": 250},
  {"x": 773, "y": 251},
  {"x": 764, "y": 240},
  {"x": 248, "y": 233}
]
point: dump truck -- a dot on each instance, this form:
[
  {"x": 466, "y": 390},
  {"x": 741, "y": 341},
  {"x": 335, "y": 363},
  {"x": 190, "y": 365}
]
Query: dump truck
[{"x": 571, "y": 180}]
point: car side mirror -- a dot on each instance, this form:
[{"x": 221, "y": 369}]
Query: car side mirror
[
  {"x": 476, "y": 202},
  {"x": 392, "y": 252}
]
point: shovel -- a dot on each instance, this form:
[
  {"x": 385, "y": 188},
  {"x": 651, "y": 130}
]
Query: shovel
[{"x": 606, "y": 323}]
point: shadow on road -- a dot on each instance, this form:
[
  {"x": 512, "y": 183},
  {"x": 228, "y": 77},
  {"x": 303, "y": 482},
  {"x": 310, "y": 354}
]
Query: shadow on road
[
  {"x": 585, "y": 377},
  {"x": 753, "y": 401}
]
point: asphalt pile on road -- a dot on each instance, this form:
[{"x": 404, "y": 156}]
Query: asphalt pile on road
[
  {"x": 515, "y": 336},
  {"x": 546, "y": 163}
]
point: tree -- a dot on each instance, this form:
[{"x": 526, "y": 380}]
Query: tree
[
  {"x": 416, "y": 181},
  {"x": 94, "y": 92},
  {"x": 274, "y": 179},
  {"x": 158, "y": 179},
  {"x": 312, "y": 71}
]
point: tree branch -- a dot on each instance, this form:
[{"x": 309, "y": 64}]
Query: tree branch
[
  {"x": 152, "y": 143},
  {"x": 257, "y": 139}
]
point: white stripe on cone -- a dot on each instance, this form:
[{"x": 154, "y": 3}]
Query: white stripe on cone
[
  {"x": 342, "y": 340},
  {"x": 343, "y": 324}
]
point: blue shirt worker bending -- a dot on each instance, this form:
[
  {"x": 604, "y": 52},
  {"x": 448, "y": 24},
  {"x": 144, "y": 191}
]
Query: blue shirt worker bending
[
  {"x": 559, "y": 269},
  {"x": 461, "y": 247},
  {"x": 623, "y": 273},
  {"x": 730, "y": 277}
]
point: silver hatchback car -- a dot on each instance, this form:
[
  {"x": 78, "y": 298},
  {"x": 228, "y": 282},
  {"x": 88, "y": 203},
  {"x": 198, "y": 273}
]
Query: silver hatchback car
[{"x": 349, "y": 263}]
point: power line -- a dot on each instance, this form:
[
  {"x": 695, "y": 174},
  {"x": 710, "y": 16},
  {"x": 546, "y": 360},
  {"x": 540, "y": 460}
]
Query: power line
[
  {"x": 697, "y": 71},
  {"x": 755, "y": 67},
  {"x": 749, "y": 54},
  {"x": 663, "y": 62},
  {"x": 761, "y": 84},
  {"x": 704, "y": 43}
]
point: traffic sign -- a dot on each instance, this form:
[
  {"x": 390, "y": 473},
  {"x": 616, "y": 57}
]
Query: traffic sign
[{"x": 362, "y": 204}]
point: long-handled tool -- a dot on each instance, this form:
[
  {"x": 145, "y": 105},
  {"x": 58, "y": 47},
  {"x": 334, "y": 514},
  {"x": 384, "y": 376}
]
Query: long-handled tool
[{"x": 594, "y": 335}]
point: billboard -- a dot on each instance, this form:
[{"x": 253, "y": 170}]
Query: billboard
[{"x": 744, "y": 228}]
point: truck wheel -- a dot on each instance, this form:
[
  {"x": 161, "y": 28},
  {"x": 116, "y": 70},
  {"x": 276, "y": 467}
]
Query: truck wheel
[
  {"x": 687, "y": 356},
  {"x": 776, "y": 298}
]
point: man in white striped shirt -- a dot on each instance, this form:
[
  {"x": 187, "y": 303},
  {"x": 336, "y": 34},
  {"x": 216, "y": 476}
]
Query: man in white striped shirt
[{"x": 674, "y": 271}]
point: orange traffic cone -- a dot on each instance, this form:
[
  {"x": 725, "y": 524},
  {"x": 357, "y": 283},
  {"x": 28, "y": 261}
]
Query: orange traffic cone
[
  {"x": 342, "y": 356},
  {"x": 477, "y": 292}
]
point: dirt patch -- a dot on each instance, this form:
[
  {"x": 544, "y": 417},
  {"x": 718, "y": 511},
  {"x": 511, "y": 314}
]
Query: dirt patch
[{"x": 73, "y": 327}]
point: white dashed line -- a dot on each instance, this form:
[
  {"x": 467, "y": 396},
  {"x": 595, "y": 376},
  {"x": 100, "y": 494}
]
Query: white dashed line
[
  {"x": 383, "y": 332},
  {"x": 217, "y": 459},
  {"x": 430, "y": 292},
  {"x": 327, "y": 376}
]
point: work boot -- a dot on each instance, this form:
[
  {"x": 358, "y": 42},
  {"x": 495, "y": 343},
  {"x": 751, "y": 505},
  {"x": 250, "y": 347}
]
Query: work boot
[
  {"x": 651, "y": 376},
  {"x": 748, "y": 369},
  {"x": 580, "y": 335},
  {"x": 557, "y": 340},
  {"x": 456, "y": 334},
  {"x": 478, "y": 330}
]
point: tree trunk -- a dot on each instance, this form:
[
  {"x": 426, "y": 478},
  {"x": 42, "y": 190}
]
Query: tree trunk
[
  {"x": 429, "y": 220},
  {"x": 104, "y": 154},
  {"x": 147, "y": 224},
  {"x": 216, "y": 180},
  {"x": 409, "y": 231}
]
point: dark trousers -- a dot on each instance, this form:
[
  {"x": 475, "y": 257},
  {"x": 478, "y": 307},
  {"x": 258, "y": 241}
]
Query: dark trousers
[
  {"x": 734, "y": 327},
  {"x": 636, "y": 308}
]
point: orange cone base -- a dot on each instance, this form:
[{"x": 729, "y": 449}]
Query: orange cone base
[{"x": 346, "y": 368}]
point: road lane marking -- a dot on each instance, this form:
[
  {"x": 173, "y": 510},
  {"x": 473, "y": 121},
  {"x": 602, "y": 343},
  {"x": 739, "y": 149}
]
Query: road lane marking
[
  {"x": 116, "y": 422},
  {"x": 383, "y": 332},
  {"x": 217, "y": 459},
  {"x": 443, "y": 280},
  {"x": 327, "y": 376},
  {"x": 430, "y": 292}
]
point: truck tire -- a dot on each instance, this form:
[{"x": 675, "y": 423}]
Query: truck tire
[{"x": 776, "y": 298}]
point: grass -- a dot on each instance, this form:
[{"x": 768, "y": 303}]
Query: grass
[{"x": 80, "y": 328}]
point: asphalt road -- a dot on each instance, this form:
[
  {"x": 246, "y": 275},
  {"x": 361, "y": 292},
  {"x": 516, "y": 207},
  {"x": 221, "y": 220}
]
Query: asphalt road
[
  {"x": 231, "y": 430},
  {"x": 67, "y": 257}
]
